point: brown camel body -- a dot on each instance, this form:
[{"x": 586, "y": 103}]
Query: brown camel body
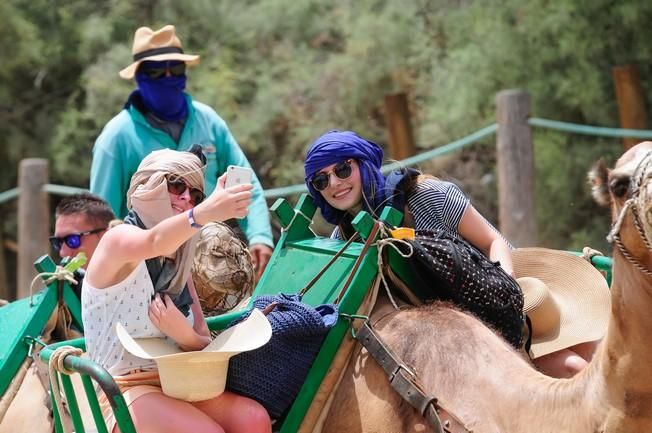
[{"x": 492, "y": 388}]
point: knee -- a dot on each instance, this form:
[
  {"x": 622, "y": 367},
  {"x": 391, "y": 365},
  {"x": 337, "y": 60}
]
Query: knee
[
  {"x": 561, "y": 364},
  {"x": 256, "y": 419},
  {"x": 574, "y": 364}
]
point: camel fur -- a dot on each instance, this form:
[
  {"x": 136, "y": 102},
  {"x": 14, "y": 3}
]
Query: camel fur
[{"x": 491, "y": 387}]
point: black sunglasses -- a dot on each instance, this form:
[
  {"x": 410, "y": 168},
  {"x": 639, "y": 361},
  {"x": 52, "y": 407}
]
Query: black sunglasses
[
  {"x": 73, "y": 240},
  {"x": 159, "y": 71},
  {"x": 177, "y": 186},
  {"x": 342, "y": 170}
]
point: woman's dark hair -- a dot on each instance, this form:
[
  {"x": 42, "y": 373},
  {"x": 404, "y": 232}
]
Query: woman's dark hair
[
  {"x": 405, "y": 188},
  {"x": 93, "y": 207}
]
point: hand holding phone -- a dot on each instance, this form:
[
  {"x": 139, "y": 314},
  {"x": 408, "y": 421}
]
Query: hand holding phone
[{"x": 236, "y": 175}]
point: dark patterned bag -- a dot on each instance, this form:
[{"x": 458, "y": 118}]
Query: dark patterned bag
[
  {"x": 274, "y": 373},
  {"x": 456, "y": 271}
]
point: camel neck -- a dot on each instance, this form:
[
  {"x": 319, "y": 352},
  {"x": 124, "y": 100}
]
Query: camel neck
[{"x": 626, "y": 351}]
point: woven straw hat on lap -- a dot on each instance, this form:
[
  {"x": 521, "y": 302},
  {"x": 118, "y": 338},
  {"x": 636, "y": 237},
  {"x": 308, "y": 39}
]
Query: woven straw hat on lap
[{"x": 222, "y": 269}]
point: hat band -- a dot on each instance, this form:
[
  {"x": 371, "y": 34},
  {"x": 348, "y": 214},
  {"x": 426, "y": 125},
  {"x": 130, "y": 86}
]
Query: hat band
[{"x": 156, "y": 52}]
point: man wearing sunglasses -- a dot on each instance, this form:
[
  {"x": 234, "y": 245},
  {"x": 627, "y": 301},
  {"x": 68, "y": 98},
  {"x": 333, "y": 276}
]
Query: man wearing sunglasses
[
  {"x": 159, "y": 115},
  {"x": 80, "y": 222}
]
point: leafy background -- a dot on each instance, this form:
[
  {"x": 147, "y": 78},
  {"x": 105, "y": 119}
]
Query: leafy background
[{"x": 281, "y": 72}]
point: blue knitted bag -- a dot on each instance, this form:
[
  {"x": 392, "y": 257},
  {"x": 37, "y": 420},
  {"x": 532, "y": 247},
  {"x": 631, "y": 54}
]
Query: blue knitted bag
[{"x": 274, "y": 373}]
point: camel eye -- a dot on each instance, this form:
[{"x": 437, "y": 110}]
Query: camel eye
[{"x": 619, "y": 187}]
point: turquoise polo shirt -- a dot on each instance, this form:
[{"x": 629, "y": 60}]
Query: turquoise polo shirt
[{"x": 128, "y": 138}]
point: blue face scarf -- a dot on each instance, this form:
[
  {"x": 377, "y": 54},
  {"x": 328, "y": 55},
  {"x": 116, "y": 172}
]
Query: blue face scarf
[
  {"x": 337, "y": 146},
  {"x": 164, "y": 96}
]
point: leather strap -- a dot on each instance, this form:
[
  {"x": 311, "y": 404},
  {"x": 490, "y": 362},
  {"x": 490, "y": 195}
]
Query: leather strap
[
  {"x": 370, "y": 239},
  {"x": 356, "y": 265},
  {"x": 327, "y": 265},
  {"x": 406, "y": 383}
]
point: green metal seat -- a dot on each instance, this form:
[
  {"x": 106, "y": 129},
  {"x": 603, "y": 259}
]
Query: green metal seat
[
  {"x": 23, "y": 320},
  {"x": 297, "y": 258}
]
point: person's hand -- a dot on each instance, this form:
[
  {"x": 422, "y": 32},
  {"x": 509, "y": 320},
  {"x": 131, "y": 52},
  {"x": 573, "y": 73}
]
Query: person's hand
[
  {"x": 168, "y": 319},
  {"x": 260, "y": 254},
  {"x": 224, "y": 203}
]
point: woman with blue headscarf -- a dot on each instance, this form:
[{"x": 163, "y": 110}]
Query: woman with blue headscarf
[{"x": 342, "y": 172}]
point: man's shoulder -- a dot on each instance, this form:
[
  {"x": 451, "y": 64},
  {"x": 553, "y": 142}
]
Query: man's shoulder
[
  {"x": 120, "y": 125},
  {"x": 206, "y": 112}
]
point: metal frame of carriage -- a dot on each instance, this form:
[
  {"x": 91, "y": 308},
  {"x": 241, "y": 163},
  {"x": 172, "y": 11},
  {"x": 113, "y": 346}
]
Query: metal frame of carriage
[{"x": 298, "y": 256}]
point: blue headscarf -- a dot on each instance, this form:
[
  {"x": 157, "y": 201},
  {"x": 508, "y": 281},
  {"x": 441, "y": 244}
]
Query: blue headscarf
[
  {"x": 163, "y": 96},
  {"x": 337, "y": 146}
]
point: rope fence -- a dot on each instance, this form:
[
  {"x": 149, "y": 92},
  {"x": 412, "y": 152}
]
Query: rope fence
[{"x": 437, "y": 152}]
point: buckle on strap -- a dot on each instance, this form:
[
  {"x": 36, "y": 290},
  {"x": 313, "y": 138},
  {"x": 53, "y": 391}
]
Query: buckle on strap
[{"x": 397, "y": 370}]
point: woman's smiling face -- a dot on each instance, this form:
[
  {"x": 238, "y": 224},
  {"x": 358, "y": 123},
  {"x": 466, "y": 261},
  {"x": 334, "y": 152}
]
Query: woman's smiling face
[{"x": 343, "y": 194}]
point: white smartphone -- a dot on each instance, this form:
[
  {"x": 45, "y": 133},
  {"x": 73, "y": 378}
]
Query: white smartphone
[{"x": 236, "y": 175}]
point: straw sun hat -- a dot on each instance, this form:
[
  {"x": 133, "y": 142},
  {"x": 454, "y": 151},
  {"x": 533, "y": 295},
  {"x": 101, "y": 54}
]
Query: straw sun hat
[
  {"x": 156, "y": 45},
  {"x": 198, "y": 375},
  {"x": 566, "y": 298}
]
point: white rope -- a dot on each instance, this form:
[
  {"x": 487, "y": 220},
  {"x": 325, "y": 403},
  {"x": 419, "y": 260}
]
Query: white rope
[
  {"x": 60, "y": 273},
  {"x": 615, "y": 228},
  {"x": 381, "y": 244},
  {"x": 588, "y": 253},
  {"x": 296, "y": 214},
  {"x": 641, "y": 179},
  {"x": 56, "y": 365}
]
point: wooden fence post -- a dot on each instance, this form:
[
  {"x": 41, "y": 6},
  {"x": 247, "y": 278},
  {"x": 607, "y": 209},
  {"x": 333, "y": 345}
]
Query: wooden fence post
[
  {"x": 33, "y": 219},
  {"x": 397, "y": 116},
  {"x": 631, "y": 101},
  {"x": 515, "y": 159},
  {"x": 5, "y": 293}
]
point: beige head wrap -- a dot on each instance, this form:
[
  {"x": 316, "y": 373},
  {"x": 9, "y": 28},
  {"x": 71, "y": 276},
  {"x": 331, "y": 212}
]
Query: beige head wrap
[{"x": 149, "y": 198}]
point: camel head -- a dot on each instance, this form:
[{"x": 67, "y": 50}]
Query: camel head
[{"x": 627, "y": 190}]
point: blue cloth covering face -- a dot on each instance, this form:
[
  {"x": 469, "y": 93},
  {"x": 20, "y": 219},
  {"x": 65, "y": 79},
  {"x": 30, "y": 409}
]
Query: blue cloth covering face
[
  {"x": 337, "y": 146},
  {"x": 163, "y": 96}
]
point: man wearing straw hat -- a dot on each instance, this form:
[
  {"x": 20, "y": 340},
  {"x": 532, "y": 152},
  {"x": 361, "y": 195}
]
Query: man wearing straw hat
[{"x": 160, "y": 115}]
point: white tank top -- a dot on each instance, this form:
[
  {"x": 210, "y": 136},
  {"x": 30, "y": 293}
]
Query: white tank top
[{"x": 126, "y": 302}]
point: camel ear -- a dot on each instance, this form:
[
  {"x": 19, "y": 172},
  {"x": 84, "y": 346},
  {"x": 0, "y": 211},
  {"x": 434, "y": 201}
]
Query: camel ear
[{"x": 599, "y": 179}]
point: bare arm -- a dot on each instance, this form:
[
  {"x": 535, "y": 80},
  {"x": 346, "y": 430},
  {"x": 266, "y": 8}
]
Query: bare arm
[
  {"x": 200, "y": 325},
  {"x": 474, "y": 228},
  {"x": 170, "y": 321},
  {"x": 124, "y": 246}
]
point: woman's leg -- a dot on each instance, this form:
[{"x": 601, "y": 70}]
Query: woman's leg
[
  {"x": 586, "y": 350},
  {"x": 158, "y": 413},
  {"x": 561, "y": 364},
  {"x": 236, "y": 414}
]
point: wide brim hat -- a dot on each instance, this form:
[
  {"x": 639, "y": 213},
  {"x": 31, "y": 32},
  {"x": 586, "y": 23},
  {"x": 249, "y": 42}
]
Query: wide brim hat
[
  {"x": 566, "y": 298},
  {"x": 159, "y": 45},
  {"x": 198, "y": 375}
]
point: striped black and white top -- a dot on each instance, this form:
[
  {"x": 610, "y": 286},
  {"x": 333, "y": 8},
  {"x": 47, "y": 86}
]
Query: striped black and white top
[
  {"x": 440, "y": 205},
  {"x": 437, "y": 205}
]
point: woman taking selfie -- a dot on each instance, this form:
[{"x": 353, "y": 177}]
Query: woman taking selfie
[{"x": 140, "y": 277}]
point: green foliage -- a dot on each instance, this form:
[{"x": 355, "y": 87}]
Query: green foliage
[
  {"x": 567, "y": 217},
  {"x": 281, "y": 72}
]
